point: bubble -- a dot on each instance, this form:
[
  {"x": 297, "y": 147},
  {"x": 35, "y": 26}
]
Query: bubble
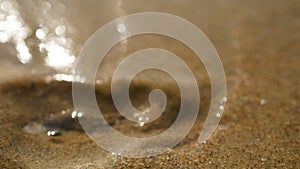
[
  {"x": 60, "y": 30},
  {"x": 3, "y": 37},
  {"x": 23, "y": 52},
  {"x": 221, "y": 107},
  {"x": 23, "y": 32},
  {"x": 74, "y": 114},
  {"x": 121, "y": 28},
  {"x": 53, "y": 133},
  {"x": 99, "y": 82},
  {"x": 40, "y": 34},
  {"x": 141, "y": 124},
  {"x": 24, "y": 57},
  {"x": 224, "y": 99},
  {"x": 6, "y": 6},
  {"x": 142, "y": 120},
  {"x": 80, "y": 114}
]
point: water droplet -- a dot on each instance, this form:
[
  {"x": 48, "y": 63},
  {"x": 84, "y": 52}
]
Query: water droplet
[
  {"x": 23, "y": 52},
  {"x": 6, "y": 6},
  {"x": 224, "y": 99},
  {"x": 74, "y": 114},
  {"x": 218, "y": 114},
  {"x": 60, "y": 30},
  {"x": 141, "y": 124},
  {"x": 142, "y": 119},
  {"x": 40, "y": 34},
  {"x": 79, "y": 114},
  {"x": 221, "y": 107},
  {"x": 121, "y": 28},
  {"x": 99, "y": 82},
  {"x": 53, "y": 133}
]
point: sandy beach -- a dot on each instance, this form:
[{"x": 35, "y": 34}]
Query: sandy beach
[{"x": 259, "y": 45}]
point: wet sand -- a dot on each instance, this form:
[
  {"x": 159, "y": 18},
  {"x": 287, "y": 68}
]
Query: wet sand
[{"x": 258, "y": 43}]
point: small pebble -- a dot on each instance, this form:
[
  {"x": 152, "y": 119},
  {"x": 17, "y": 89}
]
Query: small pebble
[{"x": 263, "y": 102}]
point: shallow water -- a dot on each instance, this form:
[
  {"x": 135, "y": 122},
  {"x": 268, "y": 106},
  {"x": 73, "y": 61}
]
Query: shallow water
[{"x": 42, "y": 112}]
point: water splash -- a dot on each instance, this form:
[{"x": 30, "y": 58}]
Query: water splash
[
  {"x": 142, "y": 117},
  {"x": 14, "y": 29},
  {"x": 66, "y": 78},
  {"x": 54, "y": 35}
]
